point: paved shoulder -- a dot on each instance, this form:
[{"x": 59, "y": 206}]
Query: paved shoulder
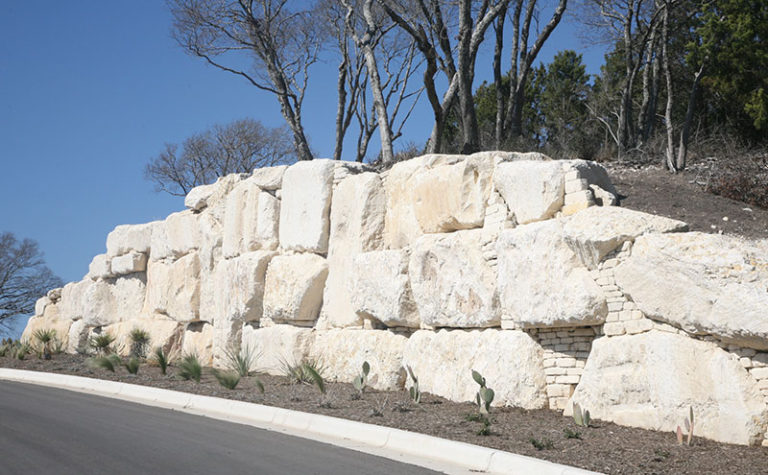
[{"x": 46, "y": 430}]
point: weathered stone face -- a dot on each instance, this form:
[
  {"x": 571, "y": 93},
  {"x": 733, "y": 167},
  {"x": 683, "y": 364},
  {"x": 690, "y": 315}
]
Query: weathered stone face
[
  {"x": 197, "y": 198},
  {"x": 239, "y": 285},
  {"x": 164, "y": 333},
  {"x": 533, "y": 190},
  {"x": 269, "y": 178},
  {"x": 511, "y": 361},
  {"x": 294, "y": 288},
  {"x": 453, "y": 285},
  {"x": 130, "y": 237},
  {"x": 651, "y": 380},
  {"x": 58, "y": 325},
  {"x": 702, "y": 283},
  {"x": 104, "y": 303},
  {"x": 173, "y": 289},
  {"x": 306, "y": 205},
  {"x": 100, "y": 268},
  {"x": 198, "y": 340},
  {"x": 380, "y": 289},
  {"x": 278, "y": 345},
  {"x": 129, "y": 263},
  {"x": 542, "y": 283}
]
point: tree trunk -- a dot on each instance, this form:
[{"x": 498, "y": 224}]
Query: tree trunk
[
  {"x": 466, "y": 101},
  {"x": 341, "y": 90},
  {"x": 682, "y": 152},
  {"x": 646, "y": 113},
  {"x": 669, "y": 162}
]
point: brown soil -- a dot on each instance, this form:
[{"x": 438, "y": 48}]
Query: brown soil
[
  {"x": 683, "y": 196},
  {"x": 603, "y": 447}
]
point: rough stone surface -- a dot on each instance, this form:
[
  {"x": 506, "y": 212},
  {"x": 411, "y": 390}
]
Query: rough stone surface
[
  {"x": 130, "y": 237},
  {"x": 597, "y": 231},
  {"x": 77, "y": 338},
  {"x": 240, "y": 287},
  {"x": 269, "y": 178},
  {"x": 162, "y": 332},
  {"x": 129, "y": 263},
  {"x": 453, "y": 284},
  {"x": 278, "y": 345},
  {"x": 173, "y": 289},
  {"x": 651, "y": 380},
  {"x": 294, "y": 288},
  {"x": 198, "y": 340},
  {"x": 342, "y": 353},
  {"x": 357, "y": 223},
  {"x": 542, "y": 283},
  {"x": 104, "y": 303},
  {"x": 510, "y": 360},
  {"x": 197, "y": 198},
  {"x": 380, "y": 289},
  {"x": 306, "y": 204},
  {"x": 533, "y": 190},
  {"x": 702, "y": 283},
  {"x": 58, "y": 325},
  {"x": 232, "y": 240},
  {"x": 100, "y": 267},
  {"x": 593, "y": 173},
  {"x": 72, "y": 299}
]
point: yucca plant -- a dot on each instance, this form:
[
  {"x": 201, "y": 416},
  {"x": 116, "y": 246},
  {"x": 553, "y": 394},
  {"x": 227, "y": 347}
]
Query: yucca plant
[
  {"x": 102, "y": 343},
  {"x": 132, "y": 365},
  {"x": 45, "y": 337},
  {"x": 228, "y": 379},
  {"x": 190, "y": 368},
  {"x": 139, "y": 342},
  {"x": 241, "y": 360},
  {"x": 162, "y": 358},
  {"x": 108, "y": 362}
]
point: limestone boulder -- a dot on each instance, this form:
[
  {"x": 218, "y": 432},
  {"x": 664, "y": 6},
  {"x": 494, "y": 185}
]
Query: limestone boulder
[
  {"x": 305, "y": 207},
  {"x": 41, "y": 323},
  {"x": 357, "y": 224},
  {"x": 173, "y": 289},
  {"x": 703, "y": 283},
  {"x": 41, "y": 304},
  {"x": 342, "y": 353},
  {"x": 77, "y": 337},
  {"x": 72, "y": 301},
  {"x": 294, "y": 288},
  {"x": 240, "y": 287},
  {"x": 266, "y": 233},
  {"x": 106, "y": 302},
  {"x": 175, "y": 237},
  {"x": 652, "y": 379},
  {"x": 277, "y": 345},
  {"x": 453, "y": 285},
  {"x": 130, "y": 237},
  {"x": 533, "y": 190},
  {"x": 235, "y": 220},
  {"x": 269, "y": 178},
  {"x": 380, "y": 289},
  {"x": 129, "y": 263},
  {"x": 216, "y": 203},
  {"x": 198, "y": 340},
  {"x": 599, "y": 230},
  {"x": 100, "y": 267},
  {"x": 511, "y": 361},
  {"x": 197, "y": 198},
  {"x": 542, "y": 282},
  {"x": 164, "y": 333},
  {"x": 593, "y": 173}
]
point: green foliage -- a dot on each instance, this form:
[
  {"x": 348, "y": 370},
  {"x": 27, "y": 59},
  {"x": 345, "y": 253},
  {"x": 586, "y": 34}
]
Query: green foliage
[
  {"x": 581, "y": 417},
  {"x": 543, "y": 444},
  {"x": 688, "y": 428},
  {"x": 162, "y": 358},
  {"x": 241, "y": 360},
  {"x": 414, "y": 391},
  {"x": 139, "y": 342},
  {"x": 21, "y": 350},
  {"x": 228, "y": 379},
  {"x": 102, "y": 343},
  {"x": 362, "y": 379},
  {"x": 300, "y": 372},
  {"x": 132, "y": 365},
  {"x": 46, "y": 338},
  {"x": 108, "y": 362},
  {"x": 484, "y": 395},
  {"x": 314, "y": 375},
  {"x": 571, "y": 434},
  {"x": 190, "y": 368}
]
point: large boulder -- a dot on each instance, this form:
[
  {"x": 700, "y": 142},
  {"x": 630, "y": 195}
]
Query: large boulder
[
  {"x": 342, "y": 353},
  {"x": 599, "y": 230},
  {"x": 129, "y": 263},
  {"x": 702, "y": 283},
  {"x": 105, "y": 302},
  {"x": 100, "y": 267},
  {"x": 453, "y": 285},
  {"x": 277, "y": 346},
  {"x": 250, "y": 220},
  {"x": 198, "y": 340},
  {"x": 175, "y": 237},
  {"x": 173, "y": 289},
  {"x": 511, "y": 361},
  {"x": 542, "y": 283},
  {"x": 239, "y": 286},
  {"x": 197, "y": 198},
  {"x": 72, "y": 301},
  {"x": 269, "y": 178},
  {"x": 380, "y": 289},
  {"x": 294, "y": 288},
  {"x": 533, "y": 190},
  {"x": 306, "y": 204},
  {"x": 164, "y": 333},
  {"x": 357, "y": 223},
  {"x": 652, "y": 379},
  {"x": 60, "y": 326},
  {"x": 130, "y": 237}
]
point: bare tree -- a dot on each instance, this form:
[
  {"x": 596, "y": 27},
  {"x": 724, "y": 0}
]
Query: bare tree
[
  {"x": 238, "y": 147},
  {"x": 23, "y": 276},
  {"x": 280, "y": 43}
]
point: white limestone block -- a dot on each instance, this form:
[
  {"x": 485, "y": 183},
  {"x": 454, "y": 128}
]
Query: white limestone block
[{"x": 306, "y": 204}]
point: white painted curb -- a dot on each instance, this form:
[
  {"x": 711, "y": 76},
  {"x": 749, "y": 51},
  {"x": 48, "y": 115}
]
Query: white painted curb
[{"x": 363, "y": 437}]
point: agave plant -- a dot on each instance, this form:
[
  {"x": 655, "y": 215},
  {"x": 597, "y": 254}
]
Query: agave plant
[{"x": 102, "y": 343}]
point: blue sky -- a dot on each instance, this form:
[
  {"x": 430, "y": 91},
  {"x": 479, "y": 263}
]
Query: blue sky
[{"x": 91, "y": 90}]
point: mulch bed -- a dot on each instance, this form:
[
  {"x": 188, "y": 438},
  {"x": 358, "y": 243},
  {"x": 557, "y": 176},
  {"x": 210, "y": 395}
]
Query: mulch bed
[{"x": 603, "y": 447}]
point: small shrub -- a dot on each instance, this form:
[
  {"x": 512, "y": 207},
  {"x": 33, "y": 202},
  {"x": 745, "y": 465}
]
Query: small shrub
[
  {"x": 315, "y": 376},
  {"x": 484, "y": 395},
  {"x": 241, "y": 360},
  {"x": 543, "y": 444},
  {"x": 228, "y": 379},
  {"x": 571, "y": 434},
  {"x": 102, "y": 343},
  {"x": 300, "y": 372},
  {"x": 21, "y": 350},
  {"x": 414, "y": 391},
  {"x": 109, "y": 362},
  {"x": 132, "y": 365},
  {"x": 361, "y": 380},
  {"x": 45, "y": 337},
  {"x": 162, "y": 358},
  {"x": 190, "y": 368},
  {"x": 139, "y": 342}
]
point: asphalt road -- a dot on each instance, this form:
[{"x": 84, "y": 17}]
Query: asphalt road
[{"x": 52, "y": 431}]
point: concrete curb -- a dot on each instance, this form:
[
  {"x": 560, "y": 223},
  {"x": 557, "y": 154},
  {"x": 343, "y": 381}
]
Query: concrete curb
[{"x": 419, "y": 449}]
